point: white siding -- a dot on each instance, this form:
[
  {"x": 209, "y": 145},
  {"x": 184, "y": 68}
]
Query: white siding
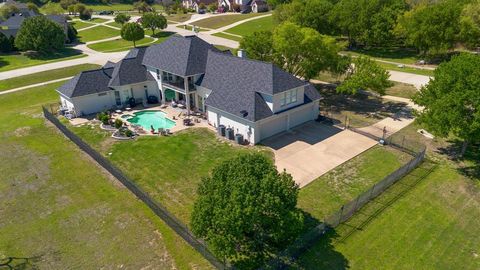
[
  {"x": 301, "y": 116},
  {"x": 239, "y": 125},
  {"x": 276, "y": 100},
  {"x": 273, "y": 125},
  {"x": 93, "y": 103}
]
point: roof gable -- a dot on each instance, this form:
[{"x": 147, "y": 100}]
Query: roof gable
[
  {"x": 130, "y": 69},
  {"x": 87, "y": 83}
]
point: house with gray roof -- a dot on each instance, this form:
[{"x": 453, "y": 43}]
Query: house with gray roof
[
  {"x": 11, "y": 26},
  {"x": 254, "y": 98}
]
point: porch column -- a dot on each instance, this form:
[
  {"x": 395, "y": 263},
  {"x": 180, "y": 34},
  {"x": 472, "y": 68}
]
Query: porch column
[{"x": 187, "y": 95}]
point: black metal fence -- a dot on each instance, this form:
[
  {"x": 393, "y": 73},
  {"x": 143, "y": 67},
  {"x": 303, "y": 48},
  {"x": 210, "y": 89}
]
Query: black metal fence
[
  {"x": 157, "y": 208},
  {"x": 346, "y": 211}
]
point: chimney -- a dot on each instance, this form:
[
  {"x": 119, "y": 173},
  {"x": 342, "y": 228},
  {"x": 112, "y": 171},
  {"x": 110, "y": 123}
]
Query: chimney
[{"x": 242, "y": 53}]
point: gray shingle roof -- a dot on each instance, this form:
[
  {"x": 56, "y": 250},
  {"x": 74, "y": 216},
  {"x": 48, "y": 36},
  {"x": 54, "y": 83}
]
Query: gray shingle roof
[
  {"x": 236, "y": 83},
  {"x": 87, "y": 82},
  {"x": 184, "y": 56},
  {"x": 130, "y": 69}
]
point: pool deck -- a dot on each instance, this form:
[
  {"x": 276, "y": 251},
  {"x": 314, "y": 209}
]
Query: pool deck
[{"x": 175, "y": 114}]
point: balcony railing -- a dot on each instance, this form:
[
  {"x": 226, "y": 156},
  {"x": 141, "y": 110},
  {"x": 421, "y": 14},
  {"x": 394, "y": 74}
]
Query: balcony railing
[{"x": 179, "y": 85}]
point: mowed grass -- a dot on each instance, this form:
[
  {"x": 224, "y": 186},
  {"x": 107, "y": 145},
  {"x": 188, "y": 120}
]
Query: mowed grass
[
  {"x": 418, "y": 71},
  {"x": 118, "y": 45},
  {"x": 247, "y": 28},
  {"x": 98, "y": 20},
  {"x": 329, "y": 192},
  {"x": 81, "y": 24},
  {"x": 114, "y": 24},
  {"x": 397, "y": 55},
  {"x": 113, "y": 7},
  {"x": 224, "y": 20},
  {"x": 97, "y": 33},
  {"x": 60, "y": 211},
  {"x": 21, "y": 60},
  {"x": 227, "y": 36},
  {"x": 170, "y": 168},
  {"x": 44, "y": 76},
  {"x": 401, "y": 90},
  {"x": 435, "y": 225},
  {"x": 178, "y": 18}
]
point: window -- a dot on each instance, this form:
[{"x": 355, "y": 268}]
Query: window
[
  {"x": 288, "y": 97},
  {"x": 158, "y": 74},
  {"x": 102, "y": 94}
]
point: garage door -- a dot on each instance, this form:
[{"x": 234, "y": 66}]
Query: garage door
[
  {"x": 301, "y": 116},
  {"x": 273, "y": 127}
]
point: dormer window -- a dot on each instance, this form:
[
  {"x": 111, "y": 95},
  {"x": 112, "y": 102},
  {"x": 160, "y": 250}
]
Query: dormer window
[{"x": 288, "y": 97}]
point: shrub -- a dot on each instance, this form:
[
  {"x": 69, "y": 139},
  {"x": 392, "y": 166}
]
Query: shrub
[
  {"x": 118, "y": 123},
  {"x": 122, "y": 18},
  {"x": 71, "y": 33},
  {"x": 5, "y": 44},
  {"x": 129, "y": 133},
  {"x": 103, "y": 117},
  {"x": 86, "y": 14}
]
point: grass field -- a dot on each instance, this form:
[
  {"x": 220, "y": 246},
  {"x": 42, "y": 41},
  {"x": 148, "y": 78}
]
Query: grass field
[
  {"x": 44, "y": 76},
  {"x": 425, "y": 72},
  {"x": 178, "y": 17},
  {"x": 113, "y": 7},
  {"x": 63, "y": 212},
  {"x": 397, "y": 55},
  {"x": 401, "y": 90},
  {"x": 114, "y": 24},
  {"x": 227, "y": 36},
  {"x": 247, "y": 28},
  {"x": 224, "y": 20},
  {"x": 123, "y": 45},
  {"x": 97, "y": 33},
  {"x": 97, "y": 20},
  {"x": 118, "y": 45},
  {"x": 328, "y": 193},
  {"x": 81, "y": 24},
  {"x": 21, "y": 60}
]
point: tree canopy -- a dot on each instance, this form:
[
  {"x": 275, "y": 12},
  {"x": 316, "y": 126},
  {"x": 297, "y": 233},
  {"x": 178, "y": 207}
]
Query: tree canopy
[
  {"x": 40, "y": 34},
  {"x": 132, "y": 32},
  {"x": 246, "y": 210},
  {"x": 154, "y": 21},
  {"x": 301, "y": 51},
  {"x": 122, "y": 18},
  {"x": 365, "y": 74},
  {"x": 451, "y": 100}
]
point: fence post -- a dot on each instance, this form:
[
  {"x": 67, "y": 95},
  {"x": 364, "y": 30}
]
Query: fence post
[{"x": 341, "y": 214}]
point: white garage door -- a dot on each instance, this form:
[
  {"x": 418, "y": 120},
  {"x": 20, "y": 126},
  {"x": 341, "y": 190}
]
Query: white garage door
[
  {"x": 273, "y": 127},
  {"x": 301, "y": 116}
]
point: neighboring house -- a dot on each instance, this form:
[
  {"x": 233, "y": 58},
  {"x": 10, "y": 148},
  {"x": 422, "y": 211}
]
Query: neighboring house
[
  {"x": 195, "y": 4},
  {"x": 245, "y": 5},
  {"x": 11, "y": 26},
  {"x": 256, "y": 99}
]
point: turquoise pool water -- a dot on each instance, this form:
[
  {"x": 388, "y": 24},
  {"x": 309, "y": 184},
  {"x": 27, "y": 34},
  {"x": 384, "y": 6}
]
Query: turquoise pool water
[{"x": 148, "y": 118}]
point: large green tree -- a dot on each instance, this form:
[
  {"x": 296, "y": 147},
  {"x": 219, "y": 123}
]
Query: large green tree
[
  {"x": 365, "y": 74},
  {"x": 5, "y": 44},
  {"x": 451, "y": 100},
  {"x": 367, "y": 22},
  {"x": 132, "y": 32},
  {"x": 246, "y": 210},
  {"x": 259, "y": 46},
  {"x": 154, "y": 21},
  {"x": 40, "y": 34},
  {"x": 431, "y": 28},
  {"x": 470, "y": 25}
]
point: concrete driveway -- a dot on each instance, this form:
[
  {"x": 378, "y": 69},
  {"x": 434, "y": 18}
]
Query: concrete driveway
[{"x": 312, "y": 149}]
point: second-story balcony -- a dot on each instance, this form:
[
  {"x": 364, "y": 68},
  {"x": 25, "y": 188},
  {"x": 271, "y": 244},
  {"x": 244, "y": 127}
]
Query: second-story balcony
[{"x": 178, "y": 85}]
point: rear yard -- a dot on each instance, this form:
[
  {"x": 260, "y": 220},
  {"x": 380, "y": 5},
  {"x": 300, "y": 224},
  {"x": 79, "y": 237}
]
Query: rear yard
[{"x": 64, "y": 212}]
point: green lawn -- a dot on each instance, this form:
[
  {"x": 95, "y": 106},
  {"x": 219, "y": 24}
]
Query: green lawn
[
  {"x": 113, "y": 7},
  {"x": 118, "y": 45},
  {"x": 224, "y": 20},
  {"x": 247, "y": 28},
  {"x": 44, "y": 76},
  {"x": 178, "y": 18},
  {"x": 60, "y": 211},
  {"x": 227, "y": 36},
  {"x": 397, "y": 55},
  {"x": 328, "y": 193},
  {"x": 401, "y": 90},
  {"x": 21, "y": 60},
  {"x": 435, "y": 225},
  {"x": 224, "y": 48},
  {"x": 97, "y": 33},
  {"x": 114, "y": 24},
  {"x": 98, "y": 20},
  {"x": 81, "y": 24},
  {"x": 425, "y": 72}
]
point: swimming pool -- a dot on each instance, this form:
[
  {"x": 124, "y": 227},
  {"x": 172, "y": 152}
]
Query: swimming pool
[{"x": 146, "y": 119}]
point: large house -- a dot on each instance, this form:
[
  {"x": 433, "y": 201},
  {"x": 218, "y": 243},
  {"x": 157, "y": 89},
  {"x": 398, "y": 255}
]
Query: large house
[
  {"x": 243, "y": 5},
  {"x": 256, "y": 99},
  {"x": 11, "y": 26}
]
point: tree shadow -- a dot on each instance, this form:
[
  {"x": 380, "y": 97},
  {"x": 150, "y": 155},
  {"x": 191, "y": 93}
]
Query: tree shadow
[
  {"x": 65, "y": 52},
  {"x": 19, "y": 263},
  {"x": 469, "y": 164},
  {"x": 163, "y": 34},
  {"x": 314, "y": 249}
]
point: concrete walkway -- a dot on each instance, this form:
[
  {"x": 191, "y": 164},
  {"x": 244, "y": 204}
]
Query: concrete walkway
[{"x": 33, "y": 85}]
